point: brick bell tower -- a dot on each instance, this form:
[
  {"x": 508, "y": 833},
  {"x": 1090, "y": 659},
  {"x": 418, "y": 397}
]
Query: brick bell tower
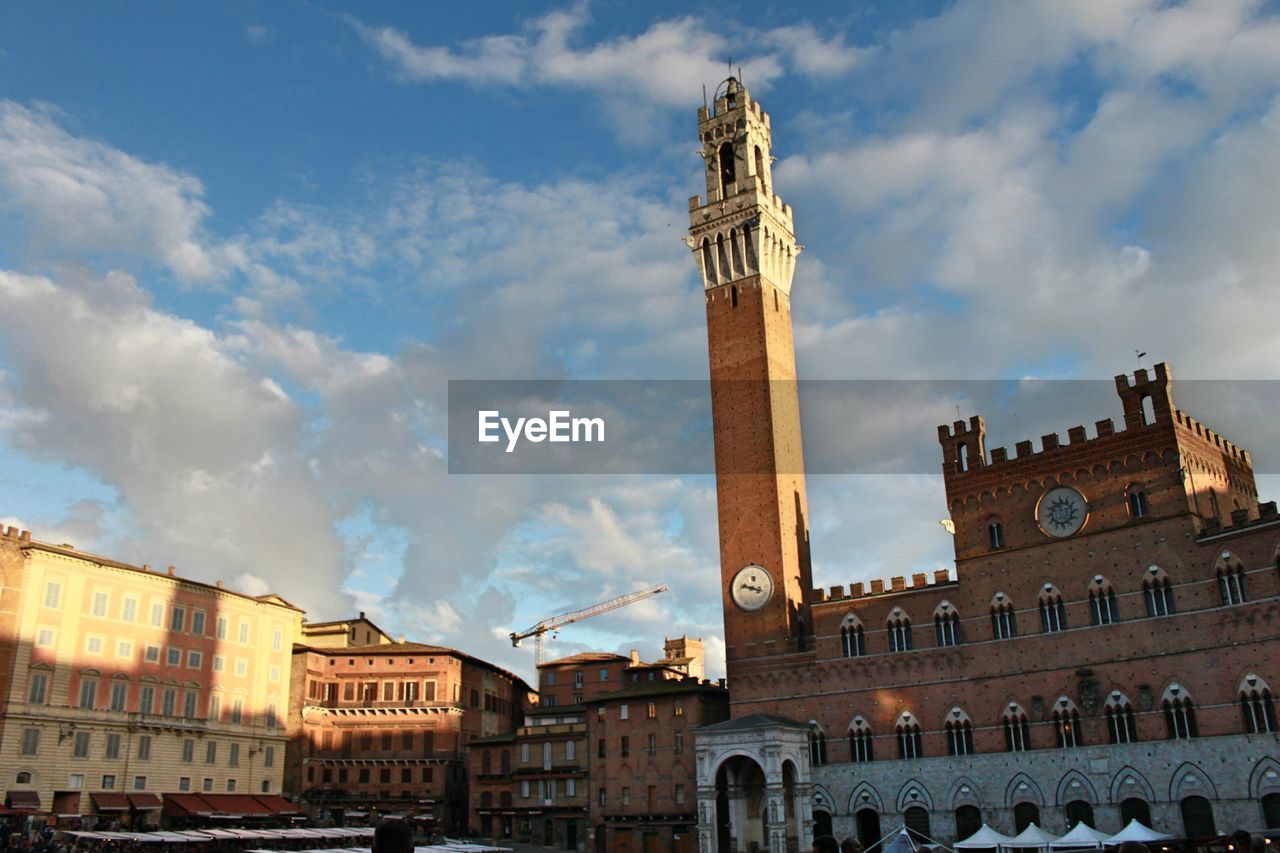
[{"x": 744, "y": 246}]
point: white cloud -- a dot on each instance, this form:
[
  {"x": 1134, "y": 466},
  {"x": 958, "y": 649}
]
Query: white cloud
[
  {"x": 662, "y": 64},
  {"x": 85, "y": 196}
]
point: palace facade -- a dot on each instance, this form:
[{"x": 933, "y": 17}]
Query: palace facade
[{"x": 1104, "y": 651}]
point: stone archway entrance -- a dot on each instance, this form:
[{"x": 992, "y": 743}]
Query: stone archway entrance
[{"x": 754, "y": 789}]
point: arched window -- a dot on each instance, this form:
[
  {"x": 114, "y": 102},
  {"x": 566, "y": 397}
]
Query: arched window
[
  {"x": 817, "y": 746},
  {"x": 899, "y": 630},
  {"x": 736, "y": 251},
  {"x": 748, "y": 241},
  {"x": 1122, "y": 727},
  {"x": 504, "y": 761},
  {"x": 946, "y": 625},
  {"x": 853, "y": 641},
  {"x": 1025, "y": 814},
  {"x": 708, "y": 264},
  {"x": 1179, "y": 713},
  {"x": 722, "y": 256},
  {"x": 23, "y": 778},
  {"x": 959, "y": 733},
  {"x": 995, "y": 535},
  {"x": 1004, "y": 621},
  {"x": 728, "y": 169},
  {"x": 1256, "y": 705},
  {"x": 1078, "y": 812},
  {"x": 1066, "y": 724},
  {"x": 1135, "y": 808},
  {"x": 486, "y": 763},
  {"x": 486, "y": 800},
  {"x": 1102, "y": 602},
  {"x": 910, "y": 742},
  {"x": 764, "y": 185},
  {"x": 504, "y": 799},
  {"x": 1017, "y": 732},
  {"x": 1232, "y": 582},
  {"x": 1137, "y": 502},
  {"x": 861, "y": 744},
  {"x": 1157, "y": 592},
  {"x": 1053, "y": 613}
]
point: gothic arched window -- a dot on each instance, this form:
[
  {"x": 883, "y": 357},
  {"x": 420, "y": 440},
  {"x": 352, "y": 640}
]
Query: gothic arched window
[
  {"x": 1257, "y": 706},
  {"x": 1179, "y": 713},
  {"x": 1017, "y": 732},
  {"x": 899, "y": 630},
  {"x": 1053, "y": 613},
  {"x": 1102, "y": 602},
  {"x": 1066, "y": 724},
  {"x": 853, "y": 643},
  {"x": 1157, "y": 592},
  {"x": 1122, "y": 726},
  {"x": 1004, "y": 621}
]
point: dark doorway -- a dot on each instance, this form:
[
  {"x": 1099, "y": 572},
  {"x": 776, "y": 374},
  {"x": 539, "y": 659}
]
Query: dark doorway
[
  {"x": 868, "y": 821},
  {"x": 1025, "y": 814},
  {"x": 968, "y": 821},
  {"x": 1135, "y": 809},
  {"x": 916, "y": 819},
  {"x": 1197, "y": 818},
  {"x": 1271, "y": 811},
  {"x": 1079, "y": 811},
  {"x": 571, "y": 835},
  {"x": 822, "y": 825}
]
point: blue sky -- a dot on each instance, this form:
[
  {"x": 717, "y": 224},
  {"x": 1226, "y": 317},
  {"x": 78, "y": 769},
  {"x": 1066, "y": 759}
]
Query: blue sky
[{"x": 243, "y": 246}]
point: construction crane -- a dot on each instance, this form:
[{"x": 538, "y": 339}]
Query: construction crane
[{"x": 555, "y": 623}]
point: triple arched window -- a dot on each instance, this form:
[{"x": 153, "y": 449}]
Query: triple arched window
[
  {"x": 1179, "y": 713},
  {"x": 1053, "y": 613},
  {"x": 1122, "y": 726},
  {"x": 1017, "y": 731},
  {"x": 1004, "y": 621},
  {"x": 1257, "y": 706},
  {"x": 959, "y": 733},
  {"x": 1157, "y": 592},
  {"x": 1102, "y": 602},
  {"x": 817, "y": 746},
  {"x": 946, "y": 625},
  {"x": 1232, "y": 583},
  {"x": 1066, "y": 724},
  {"x": 861, "y": 742},
  {"x": 910, "y": 741},
  {"x": 853, "y": 640},
  {"x": 899, "y": 630}
]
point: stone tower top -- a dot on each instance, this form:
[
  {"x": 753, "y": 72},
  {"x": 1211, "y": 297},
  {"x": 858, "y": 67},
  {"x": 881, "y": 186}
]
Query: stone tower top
[{"x": 742, "y": 229}]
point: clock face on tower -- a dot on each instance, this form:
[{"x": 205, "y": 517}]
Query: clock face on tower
[
  {"x": 752, "y": 587},
  {"x": 1061, "y": 512}
]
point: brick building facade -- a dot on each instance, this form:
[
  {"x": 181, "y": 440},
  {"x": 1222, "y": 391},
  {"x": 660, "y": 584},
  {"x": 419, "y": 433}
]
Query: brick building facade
[
  {"x": 549, "y": 783},
  {"x": 377, "y": 725},
  {"x": 120, "y": 686},
  {"x": 1105, "y": 651}
]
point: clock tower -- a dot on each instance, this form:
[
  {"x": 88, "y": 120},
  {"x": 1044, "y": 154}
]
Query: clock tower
[{"x": 743, "y": 243}]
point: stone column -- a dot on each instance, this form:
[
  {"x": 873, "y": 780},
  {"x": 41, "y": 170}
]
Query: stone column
[
  {"x": 775, "y": 809},
  {"x": 707, "y": 819}
]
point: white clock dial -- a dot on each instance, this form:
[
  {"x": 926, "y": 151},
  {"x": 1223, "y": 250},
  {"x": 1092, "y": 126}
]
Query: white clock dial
[
  {"x": 752, "y": 587},
  {"x": 1061, "y": 512}
]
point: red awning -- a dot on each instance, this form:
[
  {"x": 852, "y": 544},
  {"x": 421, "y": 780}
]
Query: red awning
[
  {"x": 186, "y": 805},
  {"x": 23, "y": 799},
  {"x": 236, "y": 804},
  {"x": 277, "y": 805},
  {"x": 145, "y": 801},
  {"x": 106, "y": 801}
]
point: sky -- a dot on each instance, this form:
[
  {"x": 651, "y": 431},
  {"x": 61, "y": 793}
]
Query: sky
[{"x": 245, "y": 245}]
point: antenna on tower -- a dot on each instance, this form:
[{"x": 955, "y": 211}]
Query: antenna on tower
[
  {"x": 1140, "y": 356},
  {"x": 704, "y": 96}
]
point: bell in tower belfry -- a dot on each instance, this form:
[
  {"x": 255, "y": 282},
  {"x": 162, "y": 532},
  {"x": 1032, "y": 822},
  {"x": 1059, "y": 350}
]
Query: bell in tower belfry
[
  {"x": 745, "y": 249},
  {"x": 742, "y": 229}
]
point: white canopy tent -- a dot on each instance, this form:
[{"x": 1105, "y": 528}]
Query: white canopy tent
[
  {"x": 1081, "y": 836},
  {"x": 1135, "y": 831},
  {"x": 1031, "y": 838},
  {"x": 984, "y": 839}
]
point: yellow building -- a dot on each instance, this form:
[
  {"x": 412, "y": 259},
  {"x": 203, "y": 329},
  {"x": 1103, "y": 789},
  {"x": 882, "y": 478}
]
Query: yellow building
[{"x": 119, "y": 685}]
